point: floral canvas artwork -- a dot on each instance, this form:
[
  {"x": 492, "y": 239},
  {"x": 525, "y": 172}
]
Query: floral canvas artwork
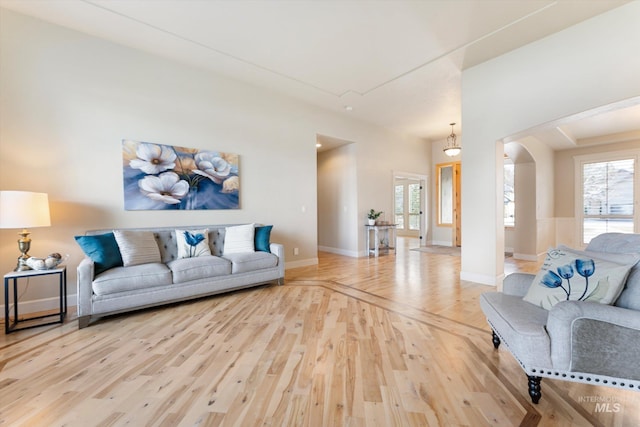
[{"x": 166, "y": 177}]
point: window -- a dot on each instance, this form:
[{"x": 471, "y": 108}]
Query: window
[
  {"x": 608, "y": 196},
  {"x": 509, "y": 193}
]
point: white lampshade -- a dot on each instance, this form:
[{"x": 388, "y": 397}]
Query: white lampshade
[{"x": 24, "y": 209}]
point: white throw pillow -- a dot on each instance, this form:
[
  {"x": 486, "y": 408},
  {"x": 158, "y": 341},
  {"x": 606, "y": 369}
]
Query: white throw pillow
[
  {"x": 239, "y": 239},
  {"x": 137, "y": 247},
  {"x": 192, "y": 243},
  {"x": 579, "y": 276}
]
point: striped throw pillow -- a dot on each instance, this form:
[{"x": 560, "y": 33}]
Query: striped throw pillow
[{"x": 137, "y": 247}]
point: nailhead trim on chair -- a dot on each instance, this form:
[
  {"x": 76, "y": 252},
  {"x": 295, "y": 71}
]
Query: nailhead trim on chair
[
  {"x": 586, "y": 378},
  {"x": 575, "y": 377}
]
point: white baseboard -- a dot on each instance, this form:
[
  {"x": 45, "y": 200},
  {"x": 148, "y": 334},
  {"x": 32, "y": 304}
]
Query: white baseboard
[
  {"x": 300, "y": 263},
  {"x": 483, "y": 279},
  {"x": 441, "y": 243},
  {"x": 44, "y": 304},
  {"x": 526, "y": 257},
  {"x": 338, "y": 251}
]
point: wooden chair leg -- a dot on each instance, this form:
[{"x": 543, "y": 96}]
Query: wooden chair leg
[
  {"x": 534, "y": 388},
  {"x": 496, "y": 339}
]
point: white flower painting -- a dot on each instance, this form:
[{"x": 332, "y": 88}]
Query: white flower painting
[{"x": 167, "y": 177}]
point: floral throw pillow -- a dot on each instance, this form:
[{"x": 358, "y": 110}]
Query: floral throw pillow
[
  {"x": 192, "y": 243},
  {"x": 577, "y": 276}
]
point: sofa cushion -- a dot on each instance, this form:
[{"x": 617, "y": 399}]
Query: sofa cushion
[
  {"x": 577, "y": 276},
  {"x": 520, "y": 325},
  {"x": 251, "y": 261},
  {"x": 192, "y": 243},
  {"x": 262, "y": 238},
  {"x": 186, "y": 269},
  {"x": 137, "y": 247},
  {"x": 239, "y": 239},
  {"x": 102, "y": 249},
  {"x": 120, "y": 279}
]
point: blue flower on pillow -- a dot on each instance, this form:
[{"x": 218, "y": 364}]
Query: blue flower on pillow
[
  {"x": 552, "y": 280},
  {"x": 193, "y": 240},
  {"x": 566, "y": 272},
  {"x": 585, "y": 268}
]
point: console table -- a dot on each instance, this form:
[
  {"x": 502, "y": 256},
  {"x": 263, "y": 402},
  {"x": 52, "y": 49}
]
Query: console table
[
  {"x": 11, "y": 325},
  {"x": 384, "y": 238}
]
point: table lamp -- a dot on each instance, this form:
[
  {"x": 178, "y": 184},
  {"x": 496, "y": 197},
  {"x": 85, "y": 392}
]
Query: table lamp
[{"x": 24, "y": 209}]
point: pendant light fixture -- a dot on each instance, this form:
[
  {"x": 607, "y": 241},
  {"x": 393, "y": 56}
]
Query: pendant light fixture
[{"x": 452, "y": 148}]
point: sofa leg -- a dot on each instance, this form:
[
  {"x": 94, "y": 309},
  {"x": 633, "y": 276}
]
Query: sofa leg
[
  {"x": 83, "y": 321},
  {"x": 495, "y": 339},
  {"x": 534, "y": 388},
  {"x": 280, "y": 281}
]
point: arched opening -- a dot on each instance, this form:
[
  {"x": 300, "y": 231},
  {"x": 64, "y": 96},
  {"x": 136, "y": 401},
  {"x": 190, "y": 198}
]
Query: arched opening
[{"x": 521, "y": 235}]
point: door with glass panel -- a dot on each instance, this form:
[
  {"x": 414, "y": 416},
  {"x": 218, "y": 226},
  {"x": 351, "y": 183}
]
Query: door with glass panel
[{"x": 408, "y": 206}]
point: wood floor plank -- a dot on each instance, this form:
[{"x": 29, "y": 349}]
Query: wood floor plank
[{"x": 393, "y": 341}]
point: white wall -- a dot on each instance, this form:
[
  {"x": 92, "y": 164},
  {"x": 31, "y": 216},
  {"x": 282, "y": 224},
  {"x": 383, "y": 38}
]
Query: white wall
[
  {"x": 525, "y": 230},
  {"x": 337, "y": 201},
  {"x": 68, "y": 99},
  {"x": 545, "y": 188},
  {"x": 375, "y": 166},
  {"x": 564, "y": 74}
]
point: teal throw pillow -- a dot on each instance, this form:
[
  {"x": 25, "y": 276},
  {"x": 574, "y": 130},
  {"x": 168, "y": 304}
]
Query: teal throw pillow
[
  {"x": 102, "y": 249},
  {"x": 262, "y": 237}
]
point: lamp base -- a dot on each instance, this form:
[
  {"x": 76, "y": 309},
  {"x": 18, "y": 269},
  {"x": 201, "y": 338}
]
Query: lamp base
[{"x": 24, "y": 244}]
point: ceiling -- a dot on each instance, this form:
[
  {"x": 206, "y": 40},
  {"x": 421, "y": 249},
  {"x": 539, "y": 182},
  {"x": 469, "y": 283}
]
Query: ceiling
[{"x": 393, "y": 63}]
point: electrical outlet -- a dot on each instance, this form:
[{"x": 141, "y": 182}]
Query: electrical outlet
[{"x": 296, "y": 251}]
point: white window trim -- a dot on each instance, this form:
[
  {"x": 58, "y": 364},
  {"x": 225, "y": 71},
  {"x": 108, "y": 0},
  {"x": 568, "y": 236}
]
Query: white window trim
[{"x": 579, "y": 161}]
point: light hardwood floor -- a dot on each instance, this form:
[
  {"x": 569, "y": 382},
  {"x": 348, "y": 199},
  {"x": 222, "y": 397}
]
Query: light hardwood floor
[{"x": 393, "y": 341}]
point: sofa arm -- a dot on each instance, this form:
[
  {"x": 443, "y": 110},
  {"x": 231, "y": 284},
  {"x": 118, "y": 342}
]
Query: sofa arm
[
  {"x": 278, "y": 250},
  {"x": 595, "y": 338},
  {"x": 85, "y": 273},
  {"x": 517, "y": 284}
]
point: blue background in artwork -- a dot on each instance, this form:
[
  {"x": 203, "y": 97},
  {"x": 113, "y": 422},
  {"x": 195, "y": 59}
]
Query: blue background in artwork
[{"x": 207, "y": 194}]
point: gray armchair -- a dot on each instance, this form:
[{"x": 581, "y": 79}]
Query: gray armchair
[{"x": 576, "y": 340}]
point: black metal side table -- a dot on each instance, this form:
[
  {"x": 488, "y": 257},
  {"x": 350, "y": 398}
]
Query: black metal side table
[{"x": 11, "y": 325}]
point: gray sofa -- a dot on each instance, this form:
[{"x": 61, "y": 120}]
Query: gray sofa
[
  {"x": 577, "y": 341},
  {"x": 122, "y": 289}
]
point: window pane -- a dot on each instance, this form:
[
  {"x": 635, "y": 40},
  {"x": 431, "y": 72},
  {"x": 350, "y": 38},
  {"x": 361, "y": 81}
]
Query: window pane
[
  {"x": 607, "y": 194},
  {"x": 595, "y": 226},
  {"x": 414, "y": 222},
  {"x": 400, "y": 221},
  {"x": 399, "y": 200},
  {"x": 509, "y": 194},
  {"x": 414, "y": 198},
  {"x": 608, "y": 188}
]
